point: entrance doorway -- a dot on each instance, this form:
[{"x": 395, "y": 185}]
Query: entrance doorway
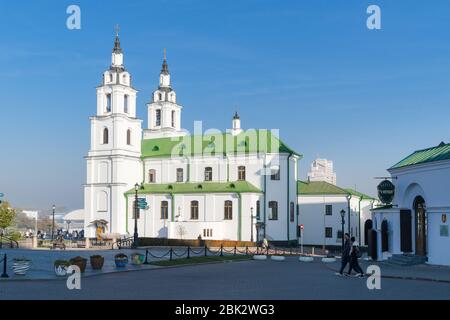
[{"x": 421, "y": 226}]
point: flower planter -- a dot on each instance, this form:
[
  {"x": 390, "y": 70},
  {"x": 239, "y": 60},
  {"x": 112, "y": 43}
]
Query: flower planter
[
  {"x": 121, "y": 260},
  {"x": 137, "y": 259},
  {"x": 21, "y": 266},
  {"x": 61, "y": 267},
  {"x": 97, "y": 262},
  {"x": 80, "y": 262}
]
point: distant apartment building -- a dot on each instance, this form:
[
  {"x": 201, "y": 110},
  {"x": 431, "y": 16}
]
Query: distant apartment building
[{"x": 322, "y": 170}]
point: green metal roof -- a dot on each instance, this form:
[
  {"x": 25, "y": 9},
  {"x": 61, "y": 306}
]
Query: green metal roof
[
  {"x": 251, "y": 141},
  {"x": 318, "y": 188},
  {"x": 441, "y": 152},
  {"x": 359, "y": 194},
  {"x": 197, "y": 187}
]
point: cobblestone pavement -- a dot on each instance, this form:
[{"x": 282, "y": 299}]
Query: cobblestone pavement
[{"x": 285, "y": 280}]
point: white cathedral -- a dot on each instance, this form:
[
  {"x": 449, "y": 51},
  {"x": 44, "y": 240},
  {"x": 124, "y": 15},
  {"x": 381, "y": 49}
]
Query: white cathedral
[{"x": 238, "y": 185}]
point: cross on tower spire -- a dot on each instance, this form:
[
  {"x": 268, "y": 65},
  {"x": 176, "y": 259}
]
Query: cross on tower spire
[{"x": 117, "y": 48}]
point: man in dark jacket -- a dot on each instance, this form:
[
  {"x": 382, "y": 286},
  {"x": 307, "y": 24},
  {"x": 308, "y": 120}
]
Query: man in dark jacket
[{"x": 345, "y": 254}]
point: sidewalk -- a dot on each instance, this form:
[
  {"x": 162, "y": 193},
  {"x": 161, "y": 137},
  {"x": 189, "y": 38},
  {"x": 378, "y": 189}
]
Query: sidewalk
[{"x": 422, "y": 272}]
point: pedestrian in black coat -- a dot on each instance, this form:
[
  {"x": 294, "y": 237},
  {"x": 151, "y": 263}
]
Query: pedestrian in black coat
[{"x": 345, "y": 254}]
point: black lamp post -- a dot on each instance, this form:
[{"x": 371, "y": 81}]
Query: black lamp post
[
  {"x": 342, "y": 230},
  {"x": 53, "y": 221},
  {"x": 136, "y": 211}
]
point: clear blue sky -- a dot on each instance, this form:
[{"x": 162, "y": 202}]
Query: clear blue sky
[{"x": 335, "y": 89}]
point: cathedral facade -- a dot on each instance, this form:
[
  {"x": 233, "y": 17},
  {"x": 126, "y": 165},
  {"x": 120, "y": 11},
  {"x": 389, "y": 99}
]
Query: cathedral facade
[{"x": 235, "y": 185}]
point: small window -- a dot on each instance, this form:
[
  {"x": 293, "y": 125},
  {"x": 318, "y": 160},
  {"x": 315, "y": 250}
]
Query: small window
[
  {"x": 173, "y": 118},
  {"x": 105, "y": 136},
  {"x": 158, "y": 118},
  {"x": 273, "y": 214},
  {"x": 180, "y": 175},
  {"x": 241, "y": 173},
  {"x": 108, "y": 102},
  {"x": 339, "y": 234},
  {"x": 152, "y": 176},
  {"x": 208, "y": 174},
  {"x": 228, "y": 210},
  {"x": 129, "y": 137},
  {"x": 159, "y": 96},
  {"x": 125, "y": 103},
  {"x": 258, "y": 209},
  {"x": 328, "y": 232},
  {"x": 164, "y": 210},
  {"x": 194, "y": 210},
  {"x": 328, "y": 209},
  {"x": 110, "y": 77},
  {"x": 275, "y": 174},
  {"x": 292, "y": 211}
]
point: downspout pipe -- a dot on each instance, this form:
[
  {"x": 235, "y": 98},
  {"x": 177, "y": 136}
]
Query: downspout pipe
[
  {"x": 288, "y": 197},
  {"x": 349, "y": 197}
]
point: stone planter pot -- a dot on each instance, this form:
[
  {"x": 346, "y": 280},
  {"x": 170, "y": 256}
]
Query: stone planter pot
[
  {"x": 259, "y": 257},
  {"x": 21, "y": 266},
  {"x": 80, "y": 262},
  {"x": 137, "y": 259},
  {"x": 328, "y": 260},
  {"x": 306, "y": 259},
  {"x": 277, "y": 258},
  {"x": 97, "y": 262},
  {"x": 121, "y": 260},
  {"x": 60, "y": 267}
]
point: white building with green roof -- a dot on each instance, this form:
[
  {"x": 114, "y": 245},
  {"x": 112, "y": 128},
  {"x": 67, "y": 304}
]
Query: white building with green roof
[
  {"x": 415, "y": 225},
  {"x": 320, "y": 204},
  {"x": 239, "y": 185}
]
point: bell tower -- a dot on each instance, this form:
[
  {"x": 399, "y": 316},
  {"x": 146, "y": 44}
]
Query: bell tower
[
  {"x": 164, "y": 114},
  {"x": 113, "y": 161}
]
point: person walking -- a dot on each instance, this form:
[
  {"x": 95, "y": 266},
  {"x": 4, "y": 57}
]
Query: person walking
[
  {"x": 345, "y": 254},
  {"x": 355, "y": 253}
]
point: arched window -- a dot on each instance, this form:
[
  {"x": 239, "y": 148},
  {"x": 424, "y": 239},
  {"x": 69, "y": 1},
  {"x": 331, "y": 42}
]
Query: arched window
[
  {"x": 108, "y": 102},
  {"x": 173, "y": 118},
  {"x": 273, "y": 214},
  {"x": 105, "y": 136},
  {"x": 164, "y": 210},
  {"x": 208, "y": 174},
  {"x": 228, "y": 210},
  {"x": 151, "y": 176},
  {"x": 158, "y": 117},
  {"x": 125, "y": 103},
  {"x": 159, "y": 96},
  {"x": 179, "y": 174},
  {"x": 241, "y": 173},
  {"x": 194, "y": 210},
  {"x": 128, "y": 137},
  {"x": 110, "y": 77}
]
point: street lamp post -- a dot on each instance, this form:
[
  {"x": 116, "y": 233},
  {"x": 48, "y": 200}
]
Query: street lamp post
[
  {"x": 342, "y": 229},
  {"x": 68, "y": 226},
  {"x": 53, "y": 221},
  {"x": 136, "y": 209}
]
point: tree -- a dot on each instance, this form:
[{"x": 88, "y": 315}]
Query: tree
[
  {"x": 181, "y": 231},
  {"x": 7, "y": 215}
]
